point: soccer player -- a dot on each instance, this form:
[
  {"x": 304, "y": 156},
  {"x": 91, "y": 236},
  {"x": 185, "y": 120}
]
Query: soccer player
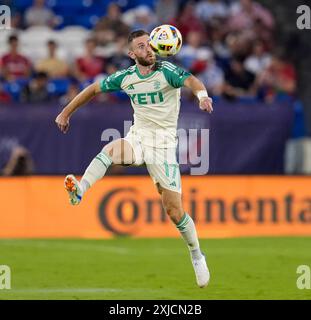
[{"x": 154, "y": 91}]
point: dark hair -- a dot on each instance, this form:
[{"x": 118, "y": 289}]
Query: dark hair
[
  {"x": 136, "y": 34},
  {"x": 91, "y": 39},
  {"x": 52, "y": 42},
  {"x": 238, "y": 58},
  {"x": 12, "y": 37},
  {"x": 41, "y": 75}
]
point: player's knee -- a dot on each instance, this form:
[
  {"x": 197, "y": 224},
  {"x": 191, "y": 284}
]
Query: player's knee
[
  {"x": 119, "y": 152},
  {"x": 114, "y": 151},
  {"x": 108, "y": 150}
]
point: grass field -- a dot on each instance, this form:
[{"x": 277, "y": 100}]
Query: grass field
[{"x": 244, "y": 268}]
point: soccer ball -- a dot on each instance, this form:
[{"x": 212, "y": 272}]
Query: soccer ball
[{"x": 165, "y": 40}]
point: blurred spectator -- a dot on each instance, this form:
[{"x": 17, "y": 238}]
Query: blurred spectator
[
  {"x": 186, "y": 20},
  {"x": 279, "y": 77},
  {"x": 238, "y": 81},
  {"x": 4, "y": 96},
  {"x": 15, "y": 160},
  {"x": 13, "y": 64},
  {"x": 36, "y": 90},
  {"x": 119, "y": 58},
  {"x": 245, "y": 13},
  {"x": 217, "y": 40},
  {"x": 111, "y": 26},
  {"x": 111, "y": 68},
  {"x": 262, "y": 33},
  {"x": 239, "y": 44},
  {"x": 207, "y": 10},
  {"x": 39, "y": 15},
  {"x": 212, "y": 76},
  {"x": 258, "y": 60},
  {"x": 90, "y": 65},
  {"x": 52, "y": 65},
  {"x": 16, "y": 20},
  {"x": 73, "y": 90},
  {"x": 144, "y": 19},
  {"x": 191, "y": 49},
  {"x": 166, "y": 10}
]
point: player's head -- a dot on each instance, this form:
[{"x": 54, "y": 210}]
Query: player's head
[
  {"x": 139, "y": 48},
  {"x": 52, "y": 47},
  {"x": 13, "y": 42}
]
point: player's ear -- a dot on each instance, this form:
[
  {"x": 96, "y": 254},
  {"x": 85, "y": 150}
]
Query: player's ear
[{"x": 131, "y": 54}]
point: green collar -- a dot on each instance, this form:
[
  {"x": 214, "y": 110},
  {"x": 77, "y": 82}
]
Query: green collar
[{"x": 142, "y": 76}]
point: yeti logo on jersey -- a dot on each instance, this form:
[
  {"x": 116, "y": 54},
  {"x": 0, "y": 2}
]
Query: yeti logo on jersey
[{"x": 147, "y": 98}]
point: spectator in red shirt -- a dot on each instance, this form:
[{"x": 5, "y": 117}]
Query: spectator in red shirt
[
  {"x": 187, "y": 21},
  {"x": 245, "y": 13},
  {"x": 279, "y": 77},
  {"x": 90, "y": 65},
  {"x": 13, "y": 64}
]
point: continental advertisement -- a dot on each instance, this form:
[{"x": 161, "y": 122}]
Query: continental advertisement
[{"x": 221, "y": 206}]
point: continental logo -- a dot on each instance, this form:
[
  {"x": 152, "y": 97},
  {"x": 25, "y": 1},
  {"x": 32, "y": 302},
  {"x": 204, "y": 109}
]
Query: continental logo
[
  {"x": 121, "y": 210},
  {"x": 124, "y": 211},
  {"x": 222, "y": 207}
]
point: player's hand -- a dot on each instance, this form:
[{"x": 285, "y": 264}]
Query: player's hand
[
  {"x": 62, "y": 122},
  {"x": 206, "y": 104}
]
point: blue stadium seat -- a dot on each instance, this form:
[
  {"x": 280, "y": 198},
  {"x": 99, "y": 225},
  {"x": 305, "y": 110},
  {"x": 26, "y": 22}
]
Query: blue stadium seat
[
  {"x": 136, "y": 3},
  {"x": 58, "y": 86},
  {"x": 67, "y": 20},
  {"x": 67, "y": 3},
  {"x": 14, "y": 88},
  {"x": 299, "y": 127},
  {"x": 22, "y": 4},
  {"x": 87, "y": 21}
]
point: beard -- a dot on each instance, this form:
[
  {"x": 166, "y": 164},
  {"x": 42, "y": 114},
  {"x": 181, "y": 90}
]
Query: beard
[{"x": 144, "y": 62}]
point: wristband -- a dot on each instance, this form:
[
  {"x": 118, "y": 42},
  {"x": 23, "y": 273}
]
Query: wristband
[{"x": 202, "y": 94}]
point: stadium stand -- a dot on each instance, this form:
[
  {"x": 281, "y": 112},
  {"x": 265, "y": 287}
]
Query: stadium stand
[{"x": 230, "y": 44}]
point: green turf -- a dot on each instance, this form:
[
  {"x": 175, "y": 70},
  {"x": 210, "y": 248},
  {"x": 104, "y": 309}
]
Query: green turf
[{"x": 244, "y": 268}]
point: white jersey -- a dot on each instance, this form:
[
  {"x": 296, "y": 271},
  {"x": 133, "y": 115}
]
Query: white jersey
[{"x": 155, "y": 99}]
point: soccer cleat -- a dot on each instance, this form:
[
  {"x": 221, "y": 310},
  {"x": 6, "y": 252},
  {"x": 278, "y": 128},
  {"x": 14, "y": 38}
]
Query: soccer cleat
[
  {"x": 73, "y": 188},
  {"x": 201, "y": 271}
]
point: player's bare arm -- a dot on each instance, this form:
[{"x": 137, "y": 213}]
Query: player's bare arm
[
  {"x": 199, "y": 90},
  {"x": 62, "y": 120}
]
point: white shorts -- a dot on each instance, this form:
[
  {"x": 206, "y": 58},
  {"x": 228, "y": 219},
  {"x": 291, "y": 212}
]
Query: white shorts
[{"x": 161, "y": 163}]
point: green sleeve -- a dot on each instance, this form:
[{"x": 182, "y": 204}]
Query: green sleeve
[
  {"x": 113, "y": 82},
  {"x": 174, "y": 75}
]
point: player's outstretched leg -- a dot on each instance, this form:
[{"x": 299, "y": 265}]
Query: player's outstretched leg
[
  {"x": 184, "y": 223},
  {"x": 115, "y": 152}
]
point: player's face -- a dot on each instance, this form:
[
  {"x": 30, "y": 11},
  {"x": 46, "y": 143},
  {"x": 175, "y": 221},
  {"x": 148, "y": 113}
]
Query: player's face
[{"x": 141, "y": 51}]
